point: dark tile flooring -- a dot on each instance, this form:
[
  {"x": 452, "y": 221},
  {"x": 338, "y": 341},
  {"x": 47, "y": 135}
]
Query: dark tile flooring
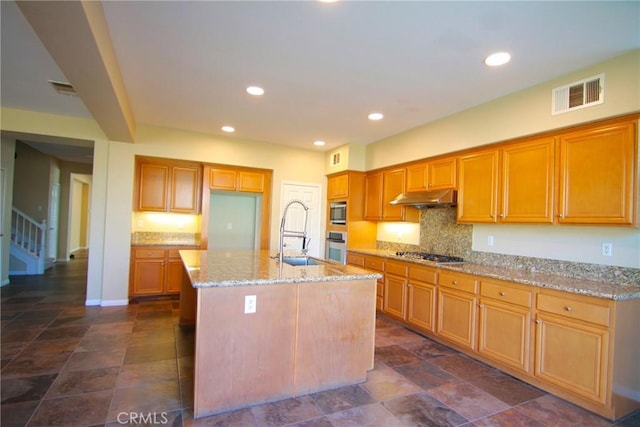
[{"x": 64, "y": 364}]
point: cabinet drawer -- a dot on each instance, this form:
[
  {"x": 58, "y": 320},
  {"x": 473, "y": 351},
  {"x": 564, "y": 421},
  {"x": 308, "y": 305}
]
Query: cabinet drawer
[
  {"x": 457, "y": 281},
  {"x": 582, "y": 310},
  {"x": 396, "y": 268},
  {"x": 508, "y": 293},
  {"x": 355, "y": 259},
  {"x": 374, "y": 263},
  {"x": 149, "y": 253},
  {"x": 423, "y": 274}
]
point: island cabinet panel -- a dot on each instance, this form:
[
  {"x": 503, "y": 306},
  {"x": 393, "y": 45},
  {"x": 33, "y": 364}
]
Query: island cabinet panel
[
  {"x": 478, "y": 187},
  {"x": 326, "y": 353},
  {"x": 598, "y": 175},
  {"x": 244, "y": 359},
  {"x": 504, "y": 330}
]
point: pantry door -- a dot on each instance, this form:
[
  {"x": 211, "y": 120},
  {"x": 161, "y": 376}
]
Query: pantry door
[{"x": 309, "y": 194}]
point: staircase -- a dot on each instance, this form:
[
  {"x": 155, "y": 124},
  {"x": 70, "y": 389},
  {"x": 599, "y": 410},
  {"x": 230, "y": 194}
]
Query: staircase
[{"x": 28, "y": 243}]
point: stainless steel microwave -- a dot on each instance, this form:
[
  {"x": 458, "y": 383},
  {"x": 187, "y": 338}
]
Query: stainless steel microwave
[{"x": 338, "y": 213}]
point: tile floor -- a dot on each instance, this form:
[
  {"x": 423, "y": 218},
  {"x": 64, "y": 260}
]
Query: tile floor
[{"x": 64, "y": 364}]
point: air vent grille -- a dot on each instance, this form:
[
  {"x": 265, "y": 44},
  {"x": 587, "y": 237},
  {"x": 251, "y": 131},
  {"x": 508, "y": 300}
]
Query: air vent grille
[
  {"x": 576, "y": 95},
  {"x": 63, "y": 88}
]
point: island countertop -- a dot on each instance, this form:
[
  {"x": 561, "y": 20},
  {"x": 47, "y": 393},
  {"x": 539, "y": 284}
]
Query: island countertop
[{"x": 216, "y": 268}]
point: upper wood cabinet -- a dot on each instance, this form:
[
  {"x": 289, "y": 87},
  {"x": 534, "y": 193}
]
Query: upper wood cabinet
[
  {"x": 382, "y": 187},
  {"x": 338, "y": 186},
  {"x": 598, "y": 175},
  {"x": 478, "y": 187},
  {"x": 236, "y": 180},
  {"x": 168, "y": 186},
  {"x": 527, "y": 182},
  {"x": 434, "y": 175}
]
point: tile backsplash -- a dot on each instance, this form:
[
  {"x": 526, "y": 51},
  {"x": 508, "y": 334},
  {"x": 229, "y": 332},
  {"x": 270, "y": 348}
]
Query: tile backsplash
[{"x": 441, "y": 234}]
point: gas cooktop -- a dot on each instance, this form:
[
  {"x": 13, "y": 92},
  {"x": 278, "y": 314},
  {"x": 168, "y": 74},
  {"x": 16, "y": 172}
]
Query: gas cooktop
[{"x": 439, "y": 259}]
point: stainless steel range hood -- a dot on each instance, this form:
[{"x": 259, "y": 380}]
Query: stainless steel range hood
[{"x": 427, "y": 199}]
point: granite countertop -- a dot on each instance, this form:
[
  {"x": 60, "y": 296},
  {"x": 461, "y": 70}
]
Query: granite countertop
[
  {"x": 140, "y": 238},
  {"x": 544, "y": 280},
  {"x": 216, "y": 268}
]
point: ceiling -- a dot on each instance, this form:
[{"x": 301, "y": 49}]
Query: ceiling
[{"x": 324, "y": 66}]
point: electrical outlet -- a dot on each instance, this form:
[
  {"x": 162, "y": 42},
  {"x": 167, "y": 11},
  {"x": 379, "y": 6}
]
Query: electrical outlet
[
  {"x": 489, "y": 240},
  {"x": 249, "y": 304},
  {"x": 607, "y": 249}
]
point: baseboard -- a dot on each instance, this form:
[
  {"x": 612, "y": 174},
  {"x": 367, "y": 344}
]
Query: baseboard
[
  {"x": 92, "y": 302},
  {"x": 114, "y": 302}
]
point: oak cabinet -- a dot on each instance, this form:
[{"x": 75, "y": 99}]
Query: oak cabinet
[
  {"x": 527, "y": 182},
  {"x": 236, "y": 180},
  {"x": 457, "y": 308},
  {"x": 382, "y": 187},
  {"x": 378, "y": 265},
  {"x": 598, "y": 175},
  {"x": 155, "y": 271},
  {"x": 504, "y": 329},
  {"x": 395, "y": 290},
  {"x": 572, "y": 344},
  {"x": 421, "y": 296},
  {"x": 478, "y": 187},
  {"x": 338, "y": 186},
  {"x": 168, "y": 186},
  {"x": 432, "y": 175}
]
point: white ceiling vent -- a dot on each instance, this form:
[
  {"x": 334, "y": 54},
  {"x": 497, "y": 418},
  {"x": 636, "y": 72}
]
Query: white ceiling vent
[
  {"x": 576, "y": 95},
  {"x": 63, "y": 88}
]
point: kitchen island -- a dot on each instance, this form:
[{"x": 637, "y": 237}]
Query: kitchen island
[{"x": 266, "y": 331}]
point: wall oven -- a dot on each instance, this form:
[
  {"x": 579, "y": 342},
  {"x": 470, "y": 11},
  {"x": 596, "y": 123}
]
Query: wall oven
[
  {"x": 338, "y": 213},
  {"x": 336, "y": 247}
]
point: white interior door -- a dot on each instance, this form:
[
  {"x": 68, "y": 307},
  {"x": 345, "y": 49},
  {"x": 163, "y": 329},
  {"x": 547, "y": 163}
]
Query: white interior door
[{"x": 309, "y": 194}]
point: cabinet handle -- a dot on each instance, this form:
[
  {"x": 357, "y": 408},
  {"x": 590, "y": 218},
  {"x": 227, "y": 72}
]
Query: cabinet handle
[
  {"x": 560, "y": 215},
  {"x": 537, "y": 321},
  {"x": 568, "y": 308},
  {"x": 501, "y": 215},
  {"x": 149, "y": 253},
  {"x": 502, "y": 293},
  {"x": 454, "y": 282}
]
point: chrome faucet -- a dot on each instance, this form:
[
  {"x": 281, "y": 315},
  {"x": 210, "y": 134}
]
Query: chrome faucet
[{"x": 291, "y": 233}]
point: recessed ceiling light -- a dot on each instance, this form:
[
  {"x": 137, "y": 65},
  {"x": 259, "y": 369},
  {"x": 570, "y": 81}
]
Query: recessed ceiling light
[
  {"x": 496, "y": 59},
  {"x": 318, "y": 143},
  {"x": 255, "y": 90},
  {"x": 375, "y": 116},
  {"x": 228, "y": 129}
]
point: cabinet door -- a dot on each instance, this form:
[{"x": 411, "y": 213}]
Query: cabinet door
[
  {"x": 597, "y": 175},
  {"x": 572, "y": 355},
  {"x": 252, "y": 182},
  {"x": 478, "y": 187},
  {"x": 505, "y": 334},
  {"x": 393, "y": 184},
  {"x": 185, "y": 189},
  {"x": 443, "y": 174},
  {"x": 338, "y": 187},
  {"x": 222, "y": 179},
  {"x": 174, "y": 275},
  {"x": 395, "y": 296},
  {"x": 527, "y": 182},
  {"x": 373, "y": 197},
  {"x": 421, "y": 308},
  {"x": 417, "y": 177},
  {"x": 153, "y": 187},
  {"x": 148, "y": 276},
  {"x": 457, "y": 317}
]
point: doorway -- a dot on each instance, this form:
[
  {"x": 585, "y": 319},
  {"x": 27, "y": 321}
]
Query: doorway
[{"x": 309, "y": 194}]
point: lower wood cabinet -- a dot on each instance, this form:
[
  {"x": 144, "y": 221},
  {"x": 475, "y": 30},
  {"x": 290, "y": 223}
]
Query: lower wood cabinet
[
  {"x": 457, "y": 308},
  {"x": 421, "y": 296},
  {"x": 155, "y": 271},
  {"x": 395, "y": 290},
  {"x": 504, "y": 323}
]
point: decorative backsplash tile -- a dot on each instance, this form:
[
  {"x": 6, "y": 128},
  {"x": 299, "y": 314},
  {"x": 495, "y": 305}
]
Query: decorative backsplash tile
[{"x": 440, "y": 234}]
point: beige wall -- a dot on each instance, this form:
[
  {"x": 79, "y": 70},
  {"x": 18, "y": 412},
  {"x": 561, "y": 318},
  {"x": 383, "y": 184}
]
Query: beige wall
[
  {"x": 67, "y": 170},
  {"x": 32, "y": 181}
]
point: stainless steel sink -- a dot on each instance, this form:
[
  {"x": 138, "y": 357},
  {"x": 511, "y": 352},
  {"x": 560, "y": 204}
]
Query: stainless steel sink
[{"x": 302, "y": 260}]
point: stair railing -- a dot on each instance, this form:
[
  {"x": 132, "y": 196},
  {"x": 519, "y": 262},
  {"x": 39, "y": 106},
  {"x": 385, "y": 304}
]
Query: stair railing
[{"x": 29, "y": 234}]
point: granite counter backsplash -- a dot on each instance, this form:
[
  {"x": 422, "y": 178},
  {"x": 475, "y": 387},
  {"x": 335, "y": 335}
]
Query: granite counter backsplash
[{"x": 161, "y": 238}]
